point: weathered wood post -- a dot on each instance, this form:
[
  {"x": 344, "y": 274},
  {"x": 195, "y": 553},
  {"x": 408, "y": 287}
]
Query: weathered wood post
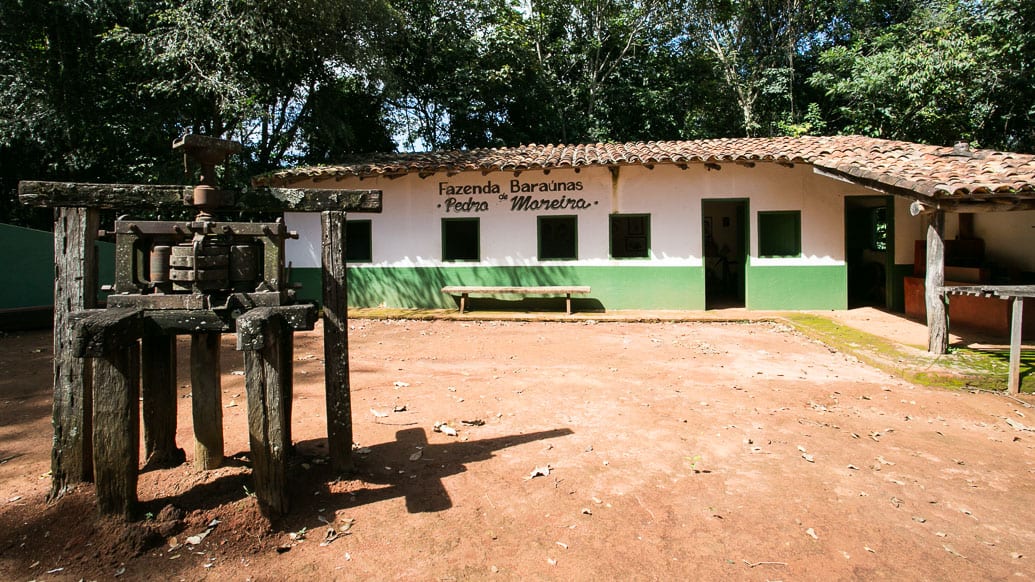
[
  {"x": 261, "y": 333},
  {"x": 336, "y": 341},
  {"x": 206, "y": 400},
  {"x": 75, "y": 289},
  {"x": 1016, "y": 330},
  {"x": 937, "y": 315},
  {"x": 158, "y": 383},
  {"x": 116, "y": 428}
]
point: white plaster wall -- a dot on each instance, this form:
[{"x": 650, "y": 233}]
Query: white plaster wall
[
  {"x": 1009, "y": 238},
  {"x": 908, "y": 230},
  {"x": 408, "y": 231}
]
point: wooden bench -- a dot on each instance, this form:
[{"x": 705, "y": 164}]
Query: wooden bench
[{"x": 464, "y": 292}]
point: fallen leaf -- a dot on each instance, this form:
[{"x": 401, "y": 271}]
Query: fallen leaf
[
  {"x": 378, "y": 414},
  {"x": 329, "y": 536},
  {"x": 812, "y": 533},
  {"x": 416, "y": 456}
]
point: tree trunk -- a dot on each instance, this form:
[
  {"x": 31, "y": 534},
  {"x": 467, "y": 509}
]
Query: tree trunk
[{"x": 937, "y": 315}]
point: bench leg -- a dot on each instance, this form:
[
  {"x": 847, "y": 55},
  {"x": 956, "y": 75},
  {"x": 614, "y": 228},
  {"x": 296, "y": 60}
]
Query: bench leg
[
  {"x": 463, "y": 302},
  {"x": 567, "y": 302}
]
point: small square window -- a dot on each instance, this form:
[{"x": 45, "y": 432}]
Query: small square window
[
  {"x": 460, "y": 240},
  {"x": 358, "y": 248},
  {"x": 558, "y": 238},
  {"x": 630, "y": 236},
  {"x": 779, "y": 234}
]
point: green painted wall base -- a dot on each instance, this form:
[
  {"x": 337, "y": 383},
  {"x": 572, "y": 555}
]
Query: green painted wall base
[
  {"x": 27, "y": 277},
  {"x": 824, "y": 287},
  {"x": 615, "y": 287}
]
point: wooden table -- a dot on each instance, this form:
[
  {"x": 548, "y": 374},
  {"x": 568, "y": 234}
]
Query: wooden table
[{"x": 1015, "y": 294}]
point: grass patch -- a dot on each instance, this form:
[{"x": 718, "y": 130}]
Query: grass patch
[{"x": 960, "y": 368}]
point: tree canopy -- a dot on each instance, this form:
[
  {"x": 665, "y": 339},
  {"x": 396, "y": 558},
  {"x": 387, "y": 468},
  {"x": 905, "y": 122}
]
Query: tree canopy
[{"x": 96, "y": 91}]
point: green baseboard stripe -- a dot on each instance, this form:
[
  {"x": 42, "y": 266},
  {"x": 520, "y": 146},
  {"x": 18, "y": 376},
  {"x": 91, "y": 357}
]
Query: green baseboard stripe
[
  {"x": 780, "y": 288},
  {"x": 613, "y": 287}
]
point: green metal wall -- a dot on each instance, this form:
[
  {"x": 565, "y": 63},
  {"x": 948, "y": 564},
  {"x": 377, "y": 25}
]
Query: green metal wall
[{"x": 27, "y": 267}]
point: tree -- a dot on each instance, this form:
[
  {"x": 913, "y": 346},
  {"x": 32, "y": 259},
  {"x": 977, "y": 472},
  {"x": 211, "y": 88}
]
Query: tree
[{"x": 931, "y": 79}]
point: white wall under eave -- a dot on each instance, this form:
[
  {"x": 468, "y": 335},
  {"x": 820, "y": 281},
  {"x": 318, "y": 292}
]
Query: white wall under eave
[
  {"x": 1009, "y": 238},
  {"x": 408, "y": 230}
]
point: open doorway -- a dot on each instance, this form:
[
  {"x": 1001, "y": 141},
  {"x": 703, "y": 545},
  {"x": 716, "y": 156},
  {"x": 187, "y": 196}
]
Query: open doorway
[
  {"x": 868, "y": 249},
  {"x": 724, "y": 232}
]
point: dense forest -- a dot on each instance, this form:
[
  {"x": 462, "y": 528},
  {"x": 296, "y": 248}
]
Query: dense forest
[{"x": 96, "y": 90}]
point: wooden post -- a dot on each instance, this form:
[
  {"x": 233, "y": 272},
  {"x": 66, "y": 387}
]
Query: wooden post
[
  {"x": 158, "y": 382},
  {"x": 266, "y": 370},
  {"x": 1016, "y": 329},
  {"x": 116, "y": 428},
  {"x": 206, "y": 400},
  {"x": 336, "y": 341},
  {"x": 287, "y": 384},
  {"x": 75, "y": 289},
  {"x": 937, "y": 316}
]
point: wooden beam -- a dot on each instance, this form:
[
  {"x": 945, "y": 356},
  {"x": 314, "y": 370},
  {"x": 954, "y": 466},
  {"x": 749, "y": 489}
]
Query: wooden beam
[
  {"x": 1016, "y": 329},
  {"x": 336, "y": 342},
  {"x": 266, "y": 369},
  {"x": 141, "y": 196},
  {"x": 206, "y": 400},
  {"x": 158, "y": 387},
  {"x": 75, "y": 289},
  {"x": 937, "y": 314},
  {"x": 311, "y": 200},
  {"x": 116, "y": 429},
  {"x": 66, "y": 194}
]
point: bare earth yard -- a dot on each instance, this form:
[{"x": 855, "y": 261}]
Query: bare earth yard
[{"x": 591, "y": 451}]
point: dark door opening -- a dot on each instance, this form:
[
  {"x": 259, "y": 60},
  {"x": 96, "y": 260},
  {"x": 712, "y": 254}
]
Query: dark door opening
[
  {"x": 868, "y": 249},
  {"x": 724, "y": 232}
]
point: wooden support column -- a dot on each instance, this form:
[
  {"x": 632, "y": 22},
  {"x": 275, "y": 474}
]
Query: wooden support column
[
  {"x": 287, "y": 384},
  {"x": 116, "y": 428},
  {"x": 1016, "y": 329},
  {"x": 75, "y": 289},
  {"x": 206, "y": 400},
  {"x": 267, "y": 370},
  {"x": 158, "y": 383},
  {"x": 937, "y": 314},
  {"x": 336, "y": 341}
]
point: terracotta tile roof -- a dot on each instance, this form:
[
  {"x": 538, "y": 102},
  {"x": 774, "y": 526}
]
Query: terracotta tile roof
[{"x": 896, "y": 166}]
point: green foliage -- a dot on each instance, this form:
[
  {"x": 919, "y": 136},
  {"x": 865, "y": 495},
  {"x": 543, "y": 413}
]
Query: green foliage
[{"x": 96, "y": 91}]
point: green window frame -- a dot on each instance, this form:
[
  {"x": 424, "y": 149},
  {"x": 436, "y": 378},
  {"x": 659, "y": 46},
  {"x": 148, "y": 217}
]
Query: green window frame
[
  {"x": 558, "y": 238},
  {"x": 461, "y": 239},
  {"x": 358, "y": 241},
  {"x": 630, "y": 236},
  {"x": 779, "y": 233}
]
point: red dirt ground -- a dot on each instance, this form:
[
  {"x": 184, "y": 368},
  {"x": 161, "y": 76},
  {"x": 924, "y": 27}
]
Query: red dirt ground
[{"x": 675, "y": 451}]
